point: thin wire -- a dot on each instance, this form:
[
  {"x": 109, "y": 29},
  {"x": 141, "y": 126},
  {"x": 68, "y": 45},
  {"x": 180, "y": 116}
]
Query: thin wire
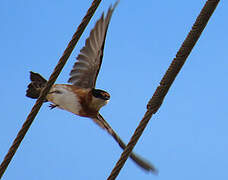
[
  {"x": 167, "y": 80},
  {"x": 50, "y": 82}
]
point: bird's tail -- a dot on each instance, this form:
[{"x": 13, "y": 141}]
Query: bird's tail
[
  {"x": 137, "y": 159},
  {"x": 36, "y": 85}
]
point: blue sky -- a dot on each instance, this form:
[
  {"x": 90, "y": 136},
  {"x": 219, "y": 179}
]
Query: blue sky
[{"x": 186, "y": 139}]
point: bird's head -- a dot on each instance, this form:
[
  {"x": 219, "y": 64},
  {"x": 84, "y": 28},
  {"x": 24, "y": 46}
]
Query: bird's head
[{"x": 99, "y": 98}]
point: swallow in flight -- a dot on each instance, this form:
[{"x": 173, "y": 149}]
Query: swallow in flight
[{"x": 81, "y": 98}]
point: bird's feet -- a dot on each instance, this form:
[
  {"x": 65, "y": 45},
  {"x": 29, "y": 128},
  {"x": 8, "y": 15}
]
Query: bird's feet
[{"x": 52, "y": 106}]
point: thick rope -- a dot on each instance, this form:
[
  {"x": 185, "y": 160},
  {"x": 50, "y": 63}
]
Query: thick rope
[
  {"x": 50, "y": 82},
  {"x": 166, "y": 82}
]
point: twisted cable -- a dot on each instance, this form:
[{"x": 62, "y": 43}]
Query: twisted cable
[
  {"x": 167, "y": 80},
  {"x": 52, "y": 79}
]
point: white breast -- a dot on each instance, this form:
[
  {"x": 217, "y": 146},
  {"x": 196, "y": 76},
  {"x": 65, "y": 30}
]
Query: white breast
[{"x": 64, "y": 98}]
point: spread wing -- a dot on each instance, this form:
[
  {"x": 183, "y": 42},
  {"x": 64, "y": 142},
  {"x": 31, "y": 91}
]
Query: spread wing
[
  {"x": 137, "y": 159},
  {"x": 86, "y": 69}
]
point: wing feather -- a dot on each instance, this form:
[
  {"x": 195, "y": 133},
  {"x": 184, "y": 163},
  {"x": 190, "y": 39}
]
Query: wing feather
[
  {"x": 87, "y": 66},
  {"x": 99, "y": 120}
]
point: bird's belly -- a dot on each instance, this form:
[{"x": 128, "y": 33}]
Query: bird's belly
[{"x": 66, "y": 100}]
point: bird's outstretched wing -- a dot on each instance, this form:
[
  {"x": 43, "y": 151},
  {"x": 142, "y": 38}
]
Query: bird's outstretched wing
[
  {"x": 138, "y": 160},
  {"x": 86, "y": 69}
]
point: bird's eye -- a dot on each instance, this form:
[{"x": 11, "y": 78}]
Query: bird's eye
[{"x": 106, "y": 96}]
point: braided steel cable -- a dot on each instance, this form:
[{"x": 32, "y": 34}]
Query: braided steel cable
[
  {"x": 52, "y": 79},
  {"x": 167, "y": 80}
]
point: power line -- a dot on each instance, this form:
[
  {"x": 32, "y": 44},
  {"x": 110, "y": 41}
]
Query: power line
[
  {"x": 167, "y": 80},
  {"x": 50, "y": 82}
]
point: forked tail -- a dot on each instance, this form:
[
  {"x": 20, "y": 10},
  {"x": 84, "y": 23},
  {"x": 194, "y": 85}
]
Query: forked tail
[{"x": 36, "y": 85}]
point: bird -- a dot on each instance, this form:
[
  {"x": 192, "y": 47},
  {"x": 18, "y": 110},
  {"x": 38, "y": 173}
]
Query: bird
[{"x": 81, "y": 97}]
